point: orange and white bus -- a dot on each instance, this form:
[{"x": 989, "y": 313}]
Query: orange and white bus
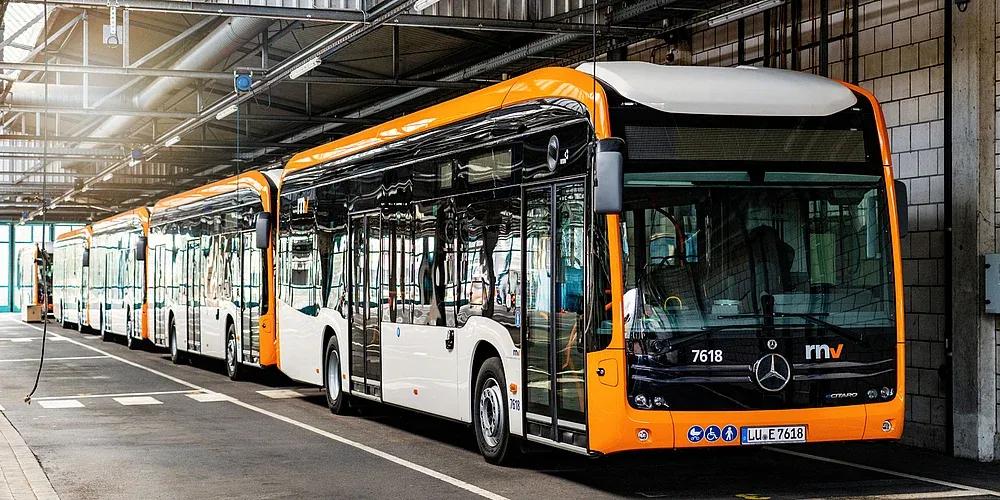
[
  {"x": 70, "y": 261},
  {"x": 211, "y": 290},
  {"x": 116, "y": 283},
  {"x": 661, "y": 257}
]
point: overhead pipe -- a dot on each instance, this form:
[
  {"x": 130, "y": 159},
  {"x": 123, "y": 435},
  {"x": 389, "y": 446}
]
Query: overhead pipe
[
  {"x": 59, "y": 95},
  {"x": 213, "y": 49},
  {"x": 218, "y": 45}
]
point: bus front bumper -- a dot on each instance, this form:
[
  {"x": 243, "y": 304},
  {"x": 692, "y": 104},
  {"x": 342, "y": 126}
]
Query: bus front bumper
[{"x": 647, "y": 430}]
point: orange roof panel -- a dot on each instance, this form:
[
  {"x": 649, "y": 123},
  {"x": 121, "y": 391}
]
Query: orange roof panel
[
  {"x": 254, "y": 180},
  {"x": 539, "y": 84}
]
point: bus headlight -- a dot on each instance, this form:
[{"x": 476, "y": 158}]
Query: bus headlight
[{"x": 642, "y": 401}]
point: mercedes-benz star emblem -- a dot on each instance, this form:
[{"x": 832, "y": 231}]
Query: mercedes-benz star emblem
[{"x": 772, "y": 372}]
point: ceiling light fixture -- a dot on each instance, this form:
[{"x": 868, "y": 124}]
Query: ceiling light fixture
[
  {"x": 171, "y": 141},
  {"x": 226, "y": 112},
  {"x": 420, "y": 5},
  {"x": 745, "y": 11},
  {"x": 305, "y": 68}
]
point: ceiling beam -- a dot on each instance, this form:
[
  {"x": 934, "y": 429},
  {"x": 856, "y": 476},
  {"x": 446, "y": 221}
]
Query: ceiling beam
[
  {"x": 348, "y": 16},
  {"x": 186, "y": 143},
  {"x": 228, "y": 76},
  {"x": 178, "y": 115}
]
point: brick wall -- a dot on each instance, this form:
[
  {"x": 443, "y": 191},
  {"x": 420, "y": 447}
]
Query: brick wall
[
  {"x": 901, "y": 59},
  {"x": 997, "y": 166}
]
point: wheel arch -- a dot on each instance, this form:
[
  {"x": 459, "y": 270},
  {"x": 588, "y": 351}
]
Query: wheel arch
[
  {"x": 330, "y": 333},
  {"x": 484, "y": 350}
]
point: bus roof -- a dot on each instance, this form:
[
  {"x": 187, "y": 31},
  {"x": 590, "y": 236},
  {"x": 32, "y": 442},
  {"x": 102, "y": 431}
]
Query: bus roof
[
  {"x": 79, "y": 233},
  {"x": 254, "y": 180},
  {"x": 709, "y": 90},
  {"x": 140, "y": 214},
  {"x": 538, "y": 84}
]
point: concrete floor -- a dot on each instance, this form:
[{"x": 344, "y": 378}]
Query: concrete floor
[{"x": 189, "y": 432}]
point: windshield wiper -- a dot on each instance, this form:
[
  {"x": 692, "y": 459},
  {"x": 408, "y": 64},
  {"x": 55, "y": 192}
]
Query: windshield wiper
[
  {"x": 812, "y": 318},
  {"x": 678, "y": 341}
]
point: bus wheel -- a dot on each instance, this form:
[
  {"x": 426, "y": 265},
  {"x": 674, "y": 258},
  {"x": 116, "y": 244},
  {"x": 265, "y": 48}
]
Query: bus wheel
[
  {"x": 232, "y": 365},
  {"x": 336, "y": 398},
  {"x": 105, "y": 334},
  {"x": 176, "y": 356},
  {"x": 130, "y": 340},
  {"x": 489, "y": 414}
]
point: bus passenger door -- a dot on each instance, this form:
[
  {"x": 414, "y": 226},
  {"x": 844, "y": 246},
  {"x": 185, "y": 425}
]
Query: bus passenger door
[
  {"x": 365, "y": 320},
  {"x": 192, "y": 283},
  {"x": 251, "y": 265},
  {"x": 555, "y": 394},
  {"x": 157, "y": 301}
]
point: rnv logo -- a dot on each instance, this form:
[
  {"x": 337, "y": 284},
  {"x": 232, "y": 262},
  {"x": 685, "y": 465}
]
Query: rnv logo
[{"x": 823, "y": 351}]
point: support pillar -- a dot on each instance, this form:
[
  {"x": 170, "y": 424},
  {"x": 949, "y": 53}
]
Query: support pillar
[{"x": 973, "y": 209}]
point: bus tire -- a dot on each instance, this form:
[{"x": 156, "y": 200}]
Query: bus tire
[
  {"x": 489, "y": 414},
  {"x": 176, "y": 356},
  {"x": 233, "y": 368},
  {"x": 105, "y": 334},
  {"x": 336, "y": 399},
  {"x": 130, "y": 341}
]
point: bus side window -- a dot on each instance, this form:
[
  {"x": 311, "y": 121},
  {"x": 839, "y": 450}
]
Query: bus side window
[
  {"x": 425, "y": 310},
  {"x": 433, "y": 267},
  {"x": 471, "y": 272}
]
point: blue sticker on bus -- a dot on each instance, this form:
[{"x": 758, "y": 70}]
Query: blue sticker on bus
[
  {"x": 729, "y": 433},
  {"x": 397, "y": 332},
  {"x": 695, "y": 433},
  {"x": 713, "y": 433}
]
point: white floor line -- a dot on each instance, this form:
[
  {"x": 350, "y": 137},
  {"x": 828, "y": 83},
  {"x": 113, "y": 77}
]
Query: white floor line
[
  {"x": 280, "y": 393},
  {"x": 47, "y": 359},
  {"x": 60, "y": 403},
  {"x": 30, "y": 339},
  {"x": 118, "y": 395},
  {"x": 914, "y": 477},
  {"x": 208, "y": 397},
  {"x": 138, "y": 401},
  {"x": 334, "y": 437},
  {"x": 912, "y": 496}
]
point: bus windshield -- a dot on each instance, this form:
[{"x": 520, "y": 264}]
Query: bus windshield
[{"x": 716, "y": 253}]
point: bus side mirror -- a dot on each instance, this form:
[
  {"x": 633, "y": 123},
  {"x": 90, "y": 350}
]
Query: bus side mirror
[
  {"x": 608, "y": 177},
  {"x": 262, "y": 229},
  {"x": 86, "y": 257},
  {"x": 140, "y": 248},
  {"x": 901, "y": 211}
]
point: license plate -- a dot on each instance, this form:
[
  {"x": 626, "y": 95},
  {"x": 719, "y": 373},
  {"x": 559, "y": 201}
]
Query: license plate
[{"x": 773, "y": 434}]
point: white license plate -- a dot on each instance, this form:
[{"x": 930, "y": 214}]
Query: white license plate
[{"x": 773, "y": 434}]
